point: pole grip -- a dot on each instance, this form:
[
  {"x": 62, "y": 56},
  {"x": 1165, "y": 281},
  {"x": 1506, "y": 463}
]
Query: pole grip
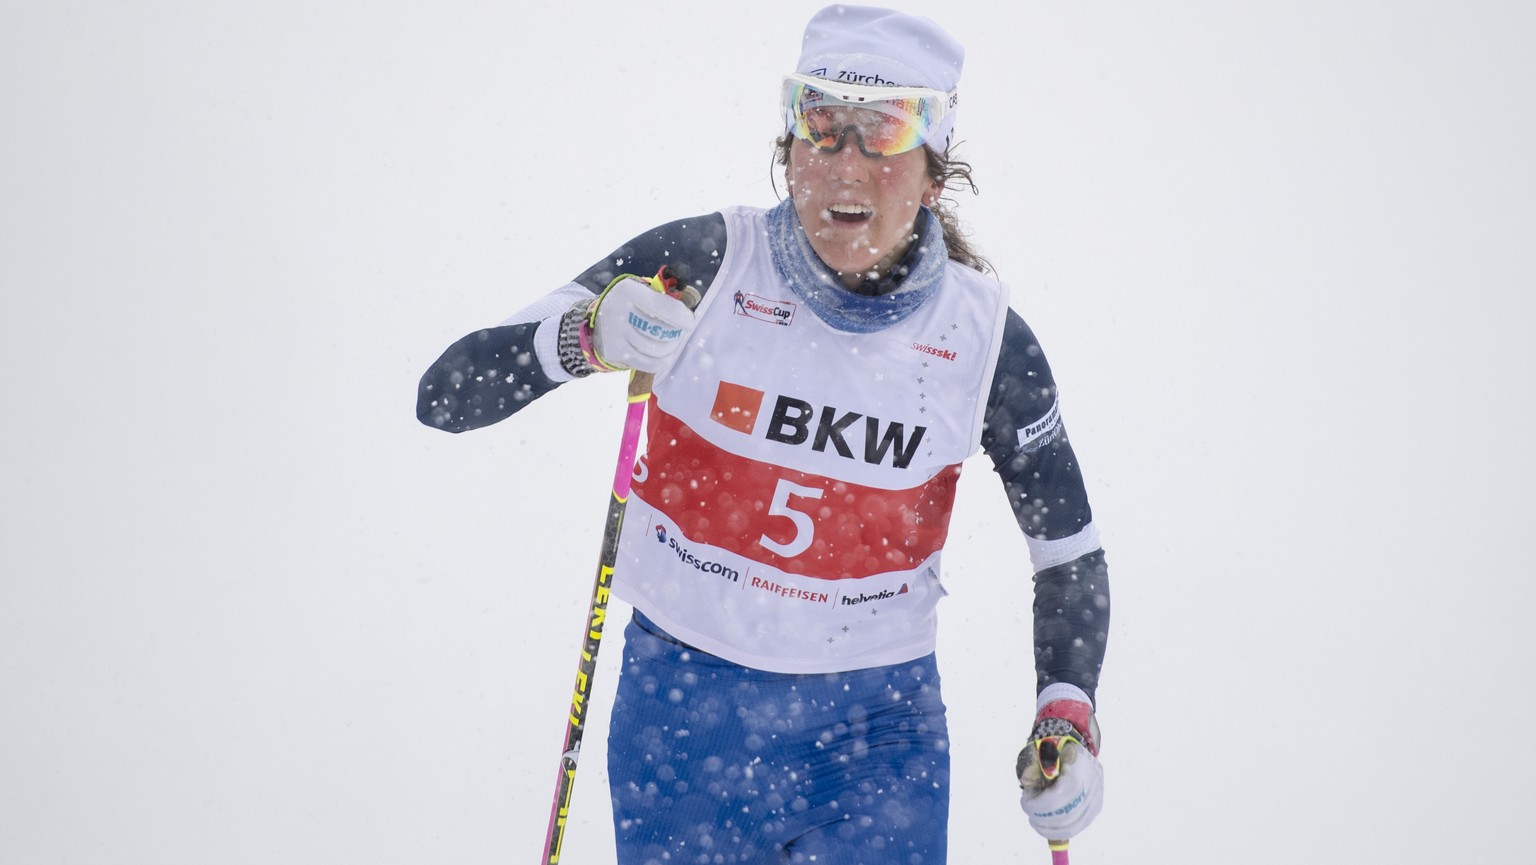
[{"x": 640, "y": 384}]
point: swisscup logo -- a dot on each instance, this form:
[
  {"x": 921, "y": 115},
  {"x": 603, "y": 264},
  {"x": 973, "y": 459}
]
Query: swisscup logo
[
  {"x": 796, "y": 422},
  {"x": 653, "y": 329},
  {"x": 687, "y": 557},
  {"x": 759, "y": 308},
  {"x": 886, "y": 595}
]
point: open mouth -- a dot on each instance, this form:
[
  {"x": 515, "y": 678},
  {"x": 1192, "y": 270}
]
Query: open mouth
[{"x": 849, "y": 213}]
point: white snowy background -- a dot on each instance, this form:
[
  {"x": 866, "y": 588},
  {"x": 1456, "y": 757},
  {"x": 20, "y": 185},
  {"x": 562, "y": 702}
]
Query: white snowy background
[{"x": 1281, "y": 255}]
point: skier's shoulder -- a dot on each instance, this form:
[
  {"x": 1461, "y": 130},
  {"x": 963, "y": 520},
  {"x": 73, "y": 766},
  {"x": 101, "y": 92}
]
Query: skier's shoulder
[
  {"x": 691, "y": 247},
  {"x": 1023, "y": 389},
  {"x": 1021, "y": 353}
]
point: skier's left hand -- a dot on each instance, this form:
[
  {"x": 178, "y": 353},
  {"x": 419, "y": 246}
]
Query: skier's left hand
[{"x": 1059, "y": 769}]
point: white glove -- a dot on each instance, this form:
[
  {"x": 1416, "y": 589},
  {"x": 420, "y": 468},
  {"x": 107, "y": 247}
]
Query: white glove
[
  {"x": 1069, "y": 803},
  {"x": 636, "y": 325},
  {"x": 1059, "y": 769}
]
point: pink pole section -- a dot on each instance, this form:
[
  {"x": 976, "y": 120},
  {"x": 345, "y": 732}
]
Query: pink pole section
[
  {"x": 624, "y": 472},
  {"x": 1059, "y": 853}
]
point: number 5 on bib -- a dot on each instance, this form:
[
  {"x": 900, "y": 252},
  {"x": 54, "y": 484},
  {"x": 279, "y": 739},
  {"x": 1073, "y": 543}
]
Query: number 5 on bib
[{"x": 805, "y": 529}]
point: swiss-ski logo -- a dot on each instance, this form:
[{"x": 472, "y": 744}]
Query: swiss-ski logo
[{"x": 942, "y": 353}]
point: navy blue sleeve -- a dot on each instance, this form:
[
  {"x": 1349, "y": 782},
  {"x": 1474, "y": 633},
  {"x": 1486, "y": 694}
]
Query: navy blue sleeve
[
  {"x": 691, "y": 248},
  {"x": 489, "y": 375},
  {"x": 1026, "y": 439},
  {"x": 484, "y": 377}
]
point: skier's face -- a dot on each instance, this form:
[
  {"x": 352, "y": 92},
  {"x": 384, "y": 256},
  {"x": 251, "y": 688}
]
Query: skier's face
[{"x": 858, "y": 211}]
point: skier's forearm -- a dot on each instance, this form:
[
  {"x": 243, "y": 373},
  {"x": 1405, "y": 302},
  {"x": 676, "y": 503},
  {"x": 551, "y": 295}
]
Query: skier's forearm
[
  {"x": 485, "y": 377},
  {"x": 1072, "y": 622}
]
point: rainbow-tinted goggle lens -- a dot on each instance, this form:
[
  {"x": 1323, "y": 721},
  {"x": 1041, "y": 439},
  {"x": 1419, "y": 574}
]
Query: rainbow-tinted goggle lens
[{"x": 888, "y": 120}]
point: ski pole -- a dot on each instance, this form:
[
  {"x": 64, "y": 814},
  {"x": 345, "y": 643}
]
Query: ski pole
[
  {"x": 597, "y": 614},
  {"x": 597, "y": 611},
  {"x": 1048, "y": 751}
]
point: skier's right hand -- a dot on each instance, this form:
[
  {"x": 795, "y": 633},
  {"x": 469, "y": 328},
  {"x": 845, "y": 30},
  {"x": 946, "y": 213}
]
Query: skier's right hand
[{"x": 636, "y": 324}]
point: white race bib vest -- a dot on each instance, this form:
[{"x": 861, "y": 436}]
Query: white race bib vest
[{"x": 792, "y": 504}]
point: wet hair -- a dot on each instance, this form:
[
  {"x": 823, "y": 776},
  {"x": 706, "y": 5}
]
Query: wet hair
[{"x": 942, "y": 167}]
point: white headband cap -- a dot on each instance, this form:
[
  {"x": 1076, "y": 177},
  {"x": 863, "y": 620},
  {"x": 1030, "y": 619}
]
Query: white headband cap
[{"x": 873, "y": 46}]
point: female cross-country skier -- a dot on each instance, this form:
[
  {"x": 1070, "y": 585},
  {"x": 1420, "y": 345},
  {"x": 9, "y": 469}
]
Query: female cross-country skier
[{"x": 779, "y": 699}]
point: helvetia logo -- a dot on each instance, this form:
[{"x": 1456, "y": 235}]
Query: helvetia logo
[
  {"x": 887, "y": 594},
  {"x": 780, "y": 312}
]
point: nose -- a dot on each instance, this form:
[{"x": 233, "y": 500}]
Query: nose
[{"x": 850, "y": 163}]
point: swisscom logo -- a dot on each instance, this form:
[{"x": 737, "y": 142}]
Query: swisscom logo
[{"x": 687, "y": 557}]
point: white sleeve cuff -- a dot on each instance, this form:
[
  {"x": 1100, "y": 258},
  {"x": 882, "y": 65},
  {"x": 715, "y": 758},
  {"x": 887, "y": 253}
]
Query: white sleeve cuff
[
  {"x": 1049, "y": 554},
  {"x": 546, "y": 339},
  {"x": 546, "y": 346},
  {"x": 1060, "y": 691}
]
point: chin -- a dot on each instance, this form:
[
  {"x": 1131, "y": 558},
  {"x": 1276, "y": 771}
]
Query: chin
[
  {"x": 846, "y": 268},
  {"x": 844, "y": 260}
]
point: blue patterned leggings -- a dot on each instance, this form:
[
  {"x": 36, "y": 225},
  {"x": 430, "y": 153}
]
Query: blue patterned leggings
[{"x": 711, "y": 762}]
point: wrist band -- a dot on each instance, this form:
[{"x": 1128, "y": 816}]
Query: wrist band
[
  {"x": 573, "y": 357},
  {"x": 589, "y": 351}
]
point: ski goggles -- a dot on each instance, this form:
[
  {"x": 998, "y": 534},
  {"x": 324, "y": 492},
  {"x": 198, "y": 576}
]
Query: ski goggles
[{"x": 888, "y": 120}]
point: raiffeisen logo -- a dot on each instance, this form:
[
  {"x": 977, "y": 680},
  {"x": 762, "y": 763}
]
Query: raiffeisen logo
[
  {"x": 651, "y": 328},
  {"x": 790, "y": 592},
  {"x": 887, "y": 594},
  {"x": 759, "y": 308}
]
